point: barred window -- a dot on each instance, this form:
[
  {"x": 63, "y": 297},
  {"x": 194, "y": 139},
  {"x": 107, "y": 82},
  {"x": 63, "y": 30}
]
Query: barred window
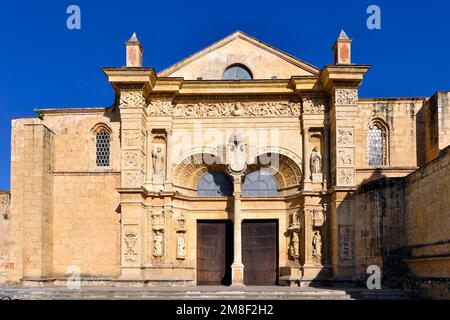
[
  {"x": 376, "y": 145},
  {"x": 102, "y": 148}
]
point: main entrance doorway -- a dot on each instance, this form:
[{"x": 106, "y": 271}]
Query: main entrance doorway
[
  {"x": 260, "y": 252},
  {"x": 214, "y": 252}
]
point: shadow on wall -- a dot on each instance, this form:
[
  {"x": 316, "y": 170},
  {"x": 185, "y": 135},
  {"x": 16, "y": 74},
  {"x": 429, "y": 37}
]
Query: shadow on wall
[{"x": 380, "y": 228}]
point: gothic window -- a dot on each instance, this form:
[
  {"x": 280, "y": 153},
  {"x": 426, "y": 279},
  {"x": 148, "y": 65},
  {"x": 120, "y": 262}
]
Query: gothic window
[
  {"x": 214, "y": 184},
  {"x": 102, "y": 147},
  {"x": 237, "y": 72},
  {"x": 259, "y": 183},
  {"x": 377, "y": 145}
]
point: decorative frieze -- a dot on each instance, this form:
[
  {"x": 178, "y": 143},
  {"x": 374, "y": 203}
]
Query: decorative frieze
[
  {"x": 316, "y": 105},
  {"x": 225, "y": 109},
  {"x": 160, "y": 108}
]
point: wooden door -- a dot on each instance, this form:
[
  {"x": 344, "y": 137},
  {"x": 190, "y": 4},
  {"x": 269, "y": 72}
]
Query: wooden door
[
  {"x": 260, "y": 252},
  {"x": 214, "y": 252}
]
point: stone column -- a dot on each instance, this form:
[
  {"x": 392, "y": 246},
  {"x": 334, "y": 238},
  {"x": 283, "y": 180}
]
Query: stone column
[
  {"x": 133, "y": 131},
  {"x": 237, "y": 268}
]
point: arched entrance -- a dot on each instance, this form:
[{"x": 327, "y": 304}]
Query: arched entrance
[{"x": 255, "y": 214}]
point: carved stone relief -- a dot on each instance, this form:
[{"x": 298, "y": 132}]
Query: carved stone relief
[
  {"x": 237, "y": 109},
  {"x": 345, "y": 157},
  {"x": 131, "y": 245},
  {"x": 314, "y": 105},
  {"x": 346, "y": 177},
  {"x": 318, "y": 217},
  {"x": 133, "y": 138},
  {"x": 345, "y": 136},
  {"x": 181, "y": 246},
  {"x": 132, "y": 178},
  {"x": 346, "y": 96},
  {"x": 132, "y": 99},
  {"x": 160, "y": 108},
  {"x": 131, "y": 160}
]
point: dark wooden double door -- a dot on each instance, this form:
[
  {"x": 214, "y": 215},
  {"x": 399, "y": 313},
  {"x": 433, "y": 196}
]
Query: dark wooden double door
[{"x": 259, "y": 252}]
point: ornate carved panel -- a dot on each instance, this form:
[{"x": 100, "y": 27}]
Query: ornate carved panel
[
  {"x": 132, "y": 99},
  {"x": 130, "y": 239},
  {"x": 315, "y": 105},
  {"x": 346, "y": 96},
  {"x": 225, "y": 109},
  {"x": 345, "y": 136},
  {"x": 346, "y": 177},
  {"x": 345, "y": 157}
]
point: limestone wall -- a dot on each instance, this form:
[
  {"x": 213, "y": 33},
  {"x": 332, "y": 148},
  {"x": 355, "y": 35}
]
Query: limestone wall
[
  {"x": 436, "y": 124},
  {"x": 380, "y": 228},
  {"x": 402, "y": 121},
  {"x": 404, "y": 227},
  {"x": 428, "y": 226},
  {"x": 4, "y": 234}
]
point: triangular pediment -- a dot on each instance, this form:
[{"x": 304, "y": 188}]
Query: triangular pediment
[{"x": 263, "y": 61}]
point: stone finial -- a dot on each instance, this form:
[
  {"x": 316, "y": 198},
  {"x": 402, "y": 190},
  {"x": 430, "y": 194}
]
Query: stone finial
[
  {"x": 342, "y": 49},
  {"x": 134, "y": 52}
]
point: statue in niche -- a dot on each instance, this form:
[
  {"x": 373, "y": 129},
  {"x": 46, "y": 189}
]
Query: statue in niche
[
  {"x": 158, "y": 161},
  {"x": 181, "y": 246},
  {"x": 317, "y": 243},
  {"x": 158, "y": 244},
  {"x": 316, "y": 159},
  {"x": 295, "y": 244}
]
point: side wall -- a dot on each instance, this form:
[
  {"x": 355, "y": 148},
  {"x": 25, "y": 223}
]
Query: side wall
[{"x": 408, "y": 218}]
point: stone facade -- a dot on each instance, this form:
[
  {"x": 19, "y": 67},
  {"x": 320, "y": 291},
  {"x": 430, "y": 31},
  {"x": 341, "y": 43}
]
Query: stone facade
[{"x": 113, "y": 192}]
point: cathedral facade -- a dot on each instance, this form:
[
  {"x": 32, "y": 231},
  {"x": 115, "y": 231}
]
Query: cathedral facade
[{"x": 239, "y": 165}]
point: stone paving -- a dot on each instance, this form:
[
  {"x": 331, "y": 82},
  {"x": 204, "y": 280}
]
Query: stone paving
[{"x": 204, "y": 292}]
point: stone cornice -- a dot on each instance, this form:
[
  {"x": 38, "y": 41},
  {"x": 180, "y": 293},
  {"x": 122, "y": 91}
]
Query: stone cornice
[{"x": 333, "y": 76}]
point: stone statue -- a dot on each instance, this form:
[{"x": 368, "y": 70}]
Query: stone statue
[
  {"x": 181, "y": 247},
  {"x": 157, "y": 244},
  {"x": 294, "y": 249},
  {"x": 317, "y": 243},
  {"x": 158, "y": 161},
  {"x": 316, "y": 160}
]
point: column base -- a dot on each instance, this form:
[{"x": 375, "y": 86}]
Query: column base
[{"x": 237, "y": 274}]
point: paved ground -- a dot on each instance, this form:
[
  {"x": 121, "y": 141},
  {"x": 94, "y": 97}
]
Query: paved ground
[{"x": 204, "y": 292}]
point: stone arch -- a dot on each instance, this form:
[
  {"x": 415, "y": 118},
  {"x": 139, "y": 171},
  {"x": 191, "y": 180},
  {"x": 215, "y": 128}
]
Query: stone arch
[
  {"x": 189, "y": 171},
  {"x": 286, "y": 168}
]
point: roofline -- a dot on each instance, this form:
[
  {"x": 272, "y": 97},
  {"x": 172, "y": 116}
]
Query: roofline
[
  {"x": 92, "y": 110},
  {"x": 392, "y": 99},
  {"x": 178, "y": 65}
]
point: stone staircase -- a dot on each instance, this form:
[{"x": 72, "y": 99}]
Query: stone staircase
[{"x": 202, "y": 293}]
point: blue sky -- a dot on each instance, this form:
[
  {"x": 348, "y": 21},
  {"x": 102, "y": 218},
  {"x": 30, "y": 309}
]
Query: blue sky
[{"x": 46, "y": 65}]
